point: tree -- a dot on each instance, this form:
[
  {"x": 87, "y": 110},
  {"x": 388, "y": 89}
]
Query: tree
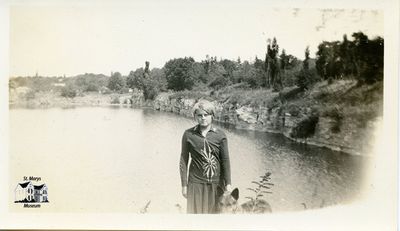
[
  {"x": 153, "y": 82},
  {"x": 178, "y": 73},
  {"x": 199, "y": 73},
  {"x": 256, "y": 79},
  {"x": 246, "y": 73},
  {"x": 322, "y": 59},
  {"x": 230, "y": 67},
  {"x": 361, "y": 58},
  {"x": 305, "y": 77},
  {"x": 147, "y": 69},
  {"x": 116, "y": 82},
  {"x": 329, "y": 64},
  {"x": 376, "y": 51},
  {"x": 90, "y": 82},
  {"x": 284, "y": 61},
  {"x": 159, "y": 76},
  {"x": 135, "y": 79},
  {"x": 290, "y": 66},
  {"x": 272, "y": 66},
  {"x": 218, "y": 76},
  {"x": 360, "y": 51},
  {"x": 346, "y": 57},
  {"x": 368, "y": 58},
  {"x": 150, "y": 82}
]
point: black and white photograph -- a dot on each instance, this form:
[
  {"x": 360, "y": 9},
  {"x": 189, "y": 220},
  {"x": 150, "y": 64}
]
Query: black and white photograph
[{"x": 199, "y": 115}]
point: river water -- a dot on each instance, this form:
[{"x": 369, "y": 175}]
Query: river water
[{"x": 118, "y": 159}]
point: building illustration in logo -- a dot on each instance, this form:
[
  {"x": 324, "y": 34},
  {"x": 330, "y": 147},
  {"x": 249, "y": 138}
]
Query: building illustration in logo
[{"x": 29, "y": 193}]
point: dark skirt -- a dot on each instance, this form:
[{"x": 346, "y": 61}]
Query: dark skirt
[{"x": 202, "y": 197}]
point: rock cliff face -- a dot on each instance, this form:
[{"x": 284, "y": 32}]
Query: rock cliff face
[{"x": 305, "y": 126}]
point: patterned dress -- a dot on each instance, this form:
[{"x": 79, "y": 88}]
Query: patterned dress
[{"x": 209, "y": 168}]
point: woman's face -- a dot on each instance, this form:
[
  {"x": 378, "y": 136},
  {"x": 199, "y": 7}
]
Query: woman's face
[{"x": 203, "y": 118}]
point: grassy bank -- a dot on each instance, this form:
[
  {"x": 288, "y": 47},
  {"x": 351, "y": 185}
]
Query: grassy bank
[{"x": 340, "y": 101}]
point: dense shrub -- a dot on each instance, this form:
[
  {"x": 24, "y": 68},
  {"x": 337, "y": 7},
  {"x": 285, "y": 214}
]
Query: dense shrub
[
  {"x": 68, "y": 91},
  {"x": 150, "y": 89},
  {"x": 150, "y": 82},
  {"x": 90, "y": 82},
  {"x": 116, "y": 82},
  {"x": 179, "y": 73}
]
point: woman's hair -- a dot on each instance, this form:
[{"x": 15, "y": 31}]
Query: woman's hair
[{"x": 204, "y": 105}]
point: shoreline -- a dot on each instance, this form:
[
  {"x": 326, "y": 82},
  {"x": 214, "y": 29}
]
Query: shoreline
[
  {"x": 299, "y": 141},
  {"x": 241, "y": 117}
]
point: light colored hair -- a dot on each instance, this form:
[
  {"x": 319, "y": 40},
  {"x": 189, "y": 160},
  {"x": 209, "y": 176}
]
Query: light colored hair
[{"x": 204, "y": 105}]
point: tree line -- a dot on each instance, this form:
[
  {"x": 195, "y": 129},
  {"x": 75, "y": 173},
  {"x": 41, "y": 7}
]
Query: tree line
[{"x": 360, "y": 59}]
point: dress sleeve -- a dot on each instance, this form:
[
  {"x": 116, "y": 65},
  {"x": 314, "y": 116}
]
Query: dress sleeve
[
  {"x": 183, "y": 168},
  {"x": 225, "y": 163}
]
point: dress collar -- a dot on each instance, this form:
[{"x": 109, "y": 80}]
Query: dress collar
[{"x": 197, "y": 129}]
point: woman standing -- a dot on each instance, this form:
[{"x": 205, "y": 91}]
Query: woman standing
[{"x": 209, "y": 167}]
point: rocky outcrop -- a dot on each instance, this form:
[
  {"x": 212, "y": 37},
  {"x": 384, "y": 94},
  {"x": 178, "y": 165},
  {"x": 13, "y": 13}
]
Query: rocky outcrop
[{"x": 305, "y": 126}]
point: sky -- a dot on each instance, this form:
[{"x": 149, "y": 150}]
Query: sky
[{"x": 70, "y": 39}]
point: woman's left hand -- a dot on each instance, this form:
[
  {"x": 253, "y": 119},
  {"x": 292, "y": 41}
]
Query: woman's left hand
[{"x": 228, "y": 188}]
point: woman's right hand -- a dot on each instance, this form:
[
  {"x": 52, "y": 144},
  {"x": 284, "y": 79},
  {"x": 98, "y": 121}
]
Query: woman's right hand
[{"x": 184, "y": 191}]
